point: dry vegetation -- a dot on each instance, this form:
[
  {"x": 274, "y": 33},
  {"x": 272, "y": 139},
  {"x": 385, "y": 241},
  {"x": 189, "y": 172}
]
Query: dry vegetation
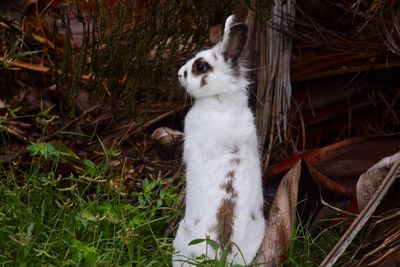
[{"x": 91, "y": 119}]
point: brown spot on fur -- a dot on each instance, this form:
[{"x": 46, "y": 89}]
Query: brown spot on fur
[
  {"x": 228, "y": 187},
  {"x": 230, "y": 174},
  {"x": 186, "y": 229},
  {"x": 203, "y": 81},
  {"x": 235, "y": 150},
  {"x": 253, "y": 216},
  {"x": 235, "y": 161},
  {"x": 225, "y": 217},
  {"x": 196, "y": 221}
]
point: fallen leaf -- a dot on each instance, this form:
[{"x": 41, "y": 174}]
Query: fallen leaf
[
  {"x": 281, "y": 220},
  {"x": 2, "y": 104},
  {"x": 167, "y": 137},
  {"x": 342, "y": 161},
  {"x": 373, "y": 177},
  {"x": 299, "y": 192}
]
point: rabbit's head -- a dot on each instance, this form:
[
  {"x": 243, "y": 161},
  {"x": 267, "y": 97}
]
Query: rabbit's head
[{"x": 217, "y": 70}]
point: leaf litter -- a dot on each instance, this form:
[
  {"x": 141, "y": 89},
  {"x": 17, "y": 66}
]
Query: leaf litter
[{"x": 327, "y": 166}]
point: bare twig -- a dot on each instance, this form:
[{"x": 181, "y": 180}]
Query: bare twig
[
  {"x": 77, "y": 119},
  {"x": 351, "y": 69},
  {"x": 36, "y": 68},
  {"x": 134, "y": 127},
  {"x": 14, "y": 132}
]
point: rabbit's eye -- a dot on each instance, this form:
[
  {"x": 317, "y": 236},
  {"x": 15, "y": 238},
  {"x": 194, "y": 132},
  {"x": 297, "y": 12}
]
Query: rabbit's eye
[{"x": 200, "y": 66}]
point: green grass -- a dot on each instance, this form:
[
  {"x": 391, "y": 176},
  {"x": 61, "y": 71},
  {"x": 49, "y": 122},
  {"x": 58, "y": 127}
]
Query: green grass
[
  {"x": 51, "y": 220},
  {"x": 309, "y": 249}
]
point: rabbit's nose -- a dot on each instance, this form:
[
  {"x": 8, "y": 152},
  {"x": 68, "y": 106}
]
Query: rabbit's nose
[{"x": 184, "y": 74}]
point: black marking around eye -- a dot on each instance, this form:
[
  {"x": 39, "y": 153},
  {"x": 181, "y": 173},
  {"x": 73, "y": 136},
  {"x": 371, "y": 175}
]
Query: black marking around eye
[
  {"x": 200, "y": 66},
  {"x": 185, "y": 74}
]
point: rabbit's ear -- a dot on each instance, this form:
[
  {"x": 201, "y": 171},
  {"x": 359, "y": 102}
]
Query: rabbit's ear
[{"x": 234, "y": 39}]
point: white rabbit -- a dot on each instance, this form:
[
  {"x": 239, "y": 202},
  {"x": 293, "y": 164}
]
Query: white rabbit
[{"x": 224, "y": 198}]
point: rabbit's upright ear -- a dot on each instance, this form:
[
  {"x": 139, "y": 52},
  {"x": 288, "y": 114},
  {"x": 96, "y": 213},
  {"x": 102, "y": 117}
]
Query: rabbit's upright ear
[{"x": 234, "y": 39}]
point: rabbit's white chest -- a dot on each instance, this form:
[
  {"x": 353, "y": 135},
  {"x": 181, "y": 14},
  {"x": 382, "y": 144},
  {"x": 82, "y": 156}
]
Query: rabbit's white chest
[{"x": 224, "y": 197}]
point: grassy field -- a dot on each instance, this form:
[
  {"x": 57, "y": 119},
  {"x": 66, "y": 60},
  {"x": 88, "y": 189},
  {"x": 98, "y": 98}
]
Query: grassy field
[{"x": 49, "y": 219}]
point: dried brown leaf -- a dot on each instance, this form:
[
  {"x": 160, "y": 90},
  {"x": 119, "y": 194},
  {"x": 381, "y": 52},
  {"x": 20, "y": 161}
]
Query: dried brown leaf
[
  {"x": 371, "y": 179},
  {"x": 166, "y": 136},
  {"x": 302, "y": 184},
  {"x": 342, "y": 161},
  {"x": 281, "y": 219}
]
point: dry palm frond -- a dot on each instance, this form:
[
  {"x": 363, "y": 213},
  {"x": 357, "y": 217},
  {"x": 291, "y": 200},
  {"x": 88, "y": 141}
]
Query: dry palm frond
[
  {"x": 274, "y": 47},
  {"x": 382, "y": 239},
  {"x": 380, "y": 12},
  {"x": 364, "y": 216}
]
